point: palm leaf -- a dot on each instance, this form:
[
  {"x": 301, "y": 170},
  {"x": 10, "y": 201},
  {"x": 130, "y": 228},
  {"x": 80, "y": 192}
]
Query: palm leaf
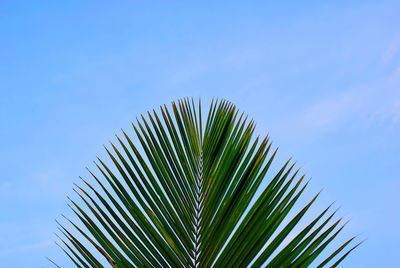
[{"x": 188, "y": 198}]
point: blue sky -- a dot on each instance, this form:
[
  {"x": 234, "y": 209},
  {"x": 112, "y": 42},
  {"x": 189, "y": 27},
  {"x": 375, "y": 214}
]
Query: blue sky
[{"x": 322, "y": 78}]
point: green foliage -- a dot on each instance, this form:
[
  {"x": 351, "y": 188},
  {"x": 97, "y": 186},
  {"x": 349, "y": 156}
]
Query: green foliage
[{"x": 187, "y": 199}]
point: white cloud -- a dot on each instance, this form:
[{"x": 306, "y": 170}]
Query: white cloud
[
  {"x": 391, "y": 51},
  {"x": 378, "y": 102},
  {"x": 331, "y": 110}
]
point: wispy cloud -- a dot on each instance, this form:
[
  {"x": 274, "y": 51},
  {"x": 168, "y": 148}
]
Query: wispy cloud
[
  {"x": 391, "y": 51},
  {"x": 367, "y": 104}
]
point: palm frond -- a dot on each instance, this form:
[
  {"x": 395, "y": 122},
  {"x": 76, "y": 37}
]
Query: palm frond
[{"x": 196, "y": 195}]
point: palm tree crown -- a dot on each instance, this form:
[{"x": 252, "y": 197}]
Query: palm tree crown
[{"x": 188, "y": 198}]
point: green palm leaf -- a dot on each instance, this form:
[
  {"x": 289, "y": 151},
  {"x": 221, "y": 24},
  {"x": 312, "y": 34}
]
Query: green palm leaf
[{"x": 187, "y": 198}]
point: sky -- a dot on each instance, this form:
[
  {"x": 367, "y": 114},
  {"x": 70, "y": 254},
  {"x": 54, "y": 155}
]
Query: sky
[{"x": 322, "y": 78}]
